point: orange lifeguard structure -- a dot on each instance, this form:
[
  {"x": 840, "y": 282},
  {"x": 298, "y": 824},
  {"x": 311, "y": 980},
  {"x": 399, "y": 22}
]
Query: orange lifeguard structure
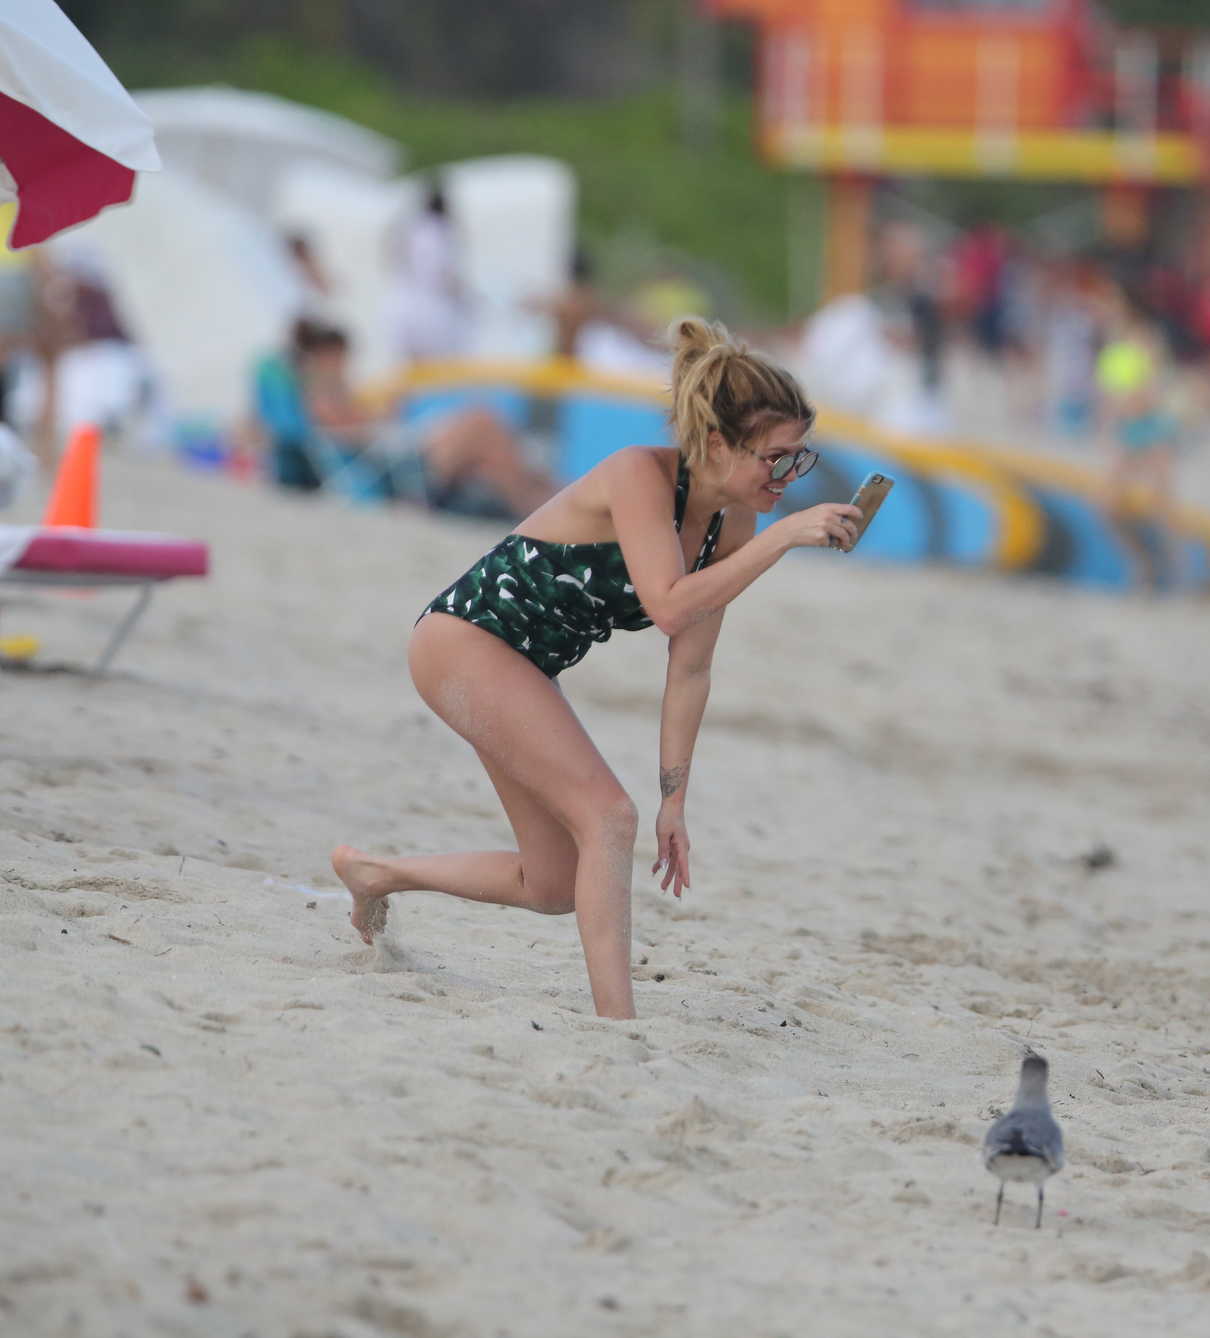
[{"x": 1027, "y": 89}]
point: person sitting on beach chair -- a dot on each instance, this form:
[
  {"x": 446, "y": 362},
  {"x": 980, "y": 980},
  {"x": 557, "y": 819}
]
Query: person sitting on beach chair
[{"x": 466, "y": 461}]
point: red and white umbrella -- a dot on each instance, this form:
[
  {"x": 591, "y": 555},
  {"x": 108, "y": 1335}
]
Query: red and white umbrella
[{"x": 71, "y": 137}]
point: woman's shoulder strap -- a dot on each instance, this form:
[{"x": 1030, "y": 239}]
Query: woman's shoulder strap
[{"x": 682, "y": 490}]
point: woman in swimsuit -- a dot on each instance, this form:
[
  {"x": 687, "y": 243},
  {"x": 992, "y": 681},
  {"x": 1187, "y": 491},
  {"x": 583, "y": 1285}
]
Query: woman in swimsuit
[{"x": 663, "y": 535}]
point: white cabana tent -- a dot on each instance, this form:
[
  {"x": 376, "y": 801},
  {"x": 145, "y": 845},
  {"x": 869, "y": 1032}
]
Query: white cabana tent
[
  {"x": 242, "y": 143},
  {"x": 515, "y": 216},
  {"x": 204, "y": 285}
]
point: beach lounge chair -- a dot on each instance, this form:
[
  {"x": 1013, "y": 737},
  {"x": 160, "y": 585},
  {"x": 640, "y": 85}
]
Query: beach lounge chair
[{"x": 68, "y": 558}]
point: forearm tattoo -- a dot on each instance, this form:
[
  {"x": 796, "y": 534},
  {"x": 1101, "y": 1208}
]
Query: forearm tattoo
[{"x": 671, "y": 779}]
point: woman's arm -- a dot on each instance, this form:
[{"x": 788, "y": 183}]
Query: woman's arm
[
  {"x": 640, "y": 501},
  {"x": 686, "y": 689}
]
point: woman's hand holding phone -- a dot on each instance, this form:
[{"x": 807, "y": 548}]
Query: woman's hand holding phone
[{"x": 830, "y": 524}]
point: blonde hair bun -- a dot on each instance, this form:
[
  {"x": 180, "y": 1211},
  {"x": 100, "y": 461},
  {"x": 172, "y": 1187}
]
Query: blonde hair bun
[
  {"x": 691, "y": 336},
  {"x": 719, "y": 385}
]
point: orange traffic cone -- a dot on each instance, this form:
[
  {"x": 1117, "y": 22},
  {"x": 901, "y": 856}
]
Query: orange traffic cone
[{"x": 73, "y": 500}]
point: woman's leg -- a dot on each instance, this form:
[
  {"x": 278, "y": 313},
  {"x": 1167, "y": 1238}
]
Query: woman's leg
[
  {"x": 538, "y": 876},
  {"x": 569, "y": 812}
]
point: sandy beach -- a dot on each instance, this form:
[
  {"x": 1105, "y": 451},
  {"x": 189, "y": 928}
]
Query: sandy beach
[{"x": 221, "y": 1114}]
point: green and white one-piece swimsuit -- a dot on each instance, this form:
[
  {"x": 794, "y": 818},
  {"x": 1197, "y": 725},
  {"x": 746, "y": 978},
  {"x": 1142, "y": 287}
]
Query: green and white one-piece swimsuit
[{"x": 551, "y": 601}]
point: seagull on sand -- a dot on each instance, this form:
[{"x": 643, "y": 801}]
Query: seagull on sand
[{"x": 1027, "y": 1143}]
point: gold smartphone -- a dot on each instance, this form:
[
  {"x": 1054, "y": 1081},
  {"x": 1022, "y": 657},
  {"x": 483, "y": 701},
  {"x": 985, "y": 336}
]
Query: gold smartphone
[{"x": 869, "y": 497}]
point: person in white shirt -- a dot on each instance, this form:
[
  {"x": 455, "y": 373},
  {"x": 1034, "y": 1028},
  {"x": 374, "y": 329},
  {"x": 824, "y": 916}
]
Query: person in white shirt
[{"x": 428, "y": 311}]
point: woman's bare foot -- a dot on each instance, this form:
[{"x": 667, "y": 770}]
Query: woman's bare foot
[{"x": 370, "y": 882}]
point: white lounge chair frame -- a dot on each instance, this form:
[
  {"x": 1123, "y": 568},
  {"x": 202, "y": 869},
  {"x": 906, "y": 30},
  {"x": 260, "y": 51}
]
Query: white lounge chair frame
[{"x": 67, "y": 580}]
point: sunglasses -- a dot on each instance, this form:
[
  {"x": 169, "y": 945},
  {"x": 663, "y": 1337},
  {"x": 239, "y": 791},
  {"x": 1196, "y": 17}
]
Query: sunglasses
[{"x": 794, "y": 464}]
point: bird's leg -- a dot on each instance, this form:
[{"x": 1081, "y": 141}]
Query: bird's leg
[
  {"x": 999, "y": 1201},
  {"x": 1038, "y": 1223}
]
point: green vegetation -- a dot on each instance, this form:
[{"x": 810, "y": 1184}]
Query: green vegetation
[{"x": 1180, "y": 14}]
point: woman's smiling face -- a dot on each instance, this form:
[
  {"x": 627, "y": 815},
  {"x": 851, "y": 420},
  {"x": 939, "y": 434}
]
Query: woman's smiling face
[{"x": 752, "y": 478}]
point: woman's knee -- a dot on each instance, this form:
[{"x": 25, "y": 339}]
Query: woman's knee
[{"x": 611, "y": 818}]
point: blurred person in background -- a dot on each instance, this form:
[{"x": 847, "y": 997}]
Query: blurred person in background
[
  {"x": 1178, "y": 291},
  {"x": 80, "y": 366},
  {"x": 316, "y": 285},
  {"x": 977, "y": 311},
  {"x": 1069, "y": 337},
  {"x": 843, "y": 347},
  {"x": 881, "y": 354},
  {"x": 1022, "y": 286},
  {"x": 601, "y": 334},
  {"x": 1139, "y": 432},
  {"x": 979, "y": 262},
  {"x": 38, "y": 317},
  {"x": 578, "y": 304},
  {"x": 465, "y": 461},
  {"x": 913, "y": 399},
  {"x": 427, "y": 307},
  {"x": 36, "y": 321}
]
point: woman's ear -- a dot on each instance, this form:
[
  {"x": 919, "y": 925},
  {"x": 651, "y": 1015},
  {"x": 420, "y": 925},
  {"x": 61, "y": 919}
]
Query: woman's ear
[{"x": 717, "y": 449}]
